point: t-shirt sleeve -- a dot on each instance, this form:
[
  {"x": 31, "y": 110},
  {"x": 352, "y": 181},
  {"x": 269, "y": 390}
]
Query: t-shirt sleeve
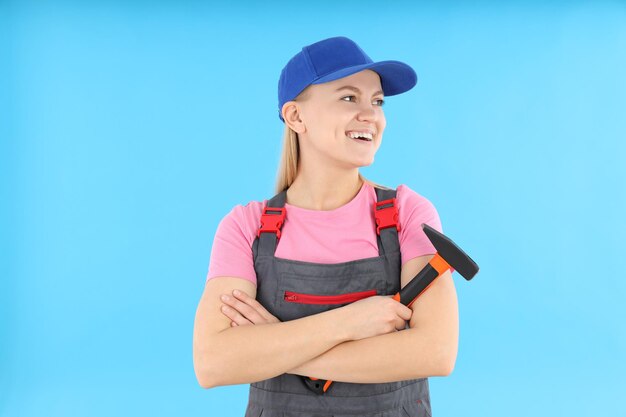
[
  {"x": 413, "y": 210},
  {"x": 231, "y": 254}
]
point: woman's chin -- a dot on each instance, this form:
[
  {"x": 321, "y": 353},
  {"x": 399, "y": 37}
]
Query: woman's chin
[{"x": 363, "y": 162}]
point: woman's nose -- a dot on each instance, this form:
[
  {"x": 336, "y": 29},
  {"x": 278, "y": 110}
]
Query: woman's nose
[{"x": 367, "y": 112}]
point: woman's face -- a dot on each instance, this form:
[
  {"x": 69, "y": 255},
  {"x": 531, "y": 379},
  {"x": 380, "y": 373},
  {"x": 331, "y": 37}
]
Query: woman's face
[{"x": 329, "y": 111}]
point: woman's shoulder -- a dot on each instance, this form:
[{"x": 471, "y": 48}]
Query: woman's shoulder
[
  {"x": 414, "y": 206},
  {"x": 243, "y": 220},
  {"x": 405, "y": 194},
  {"x": 249, "y": 213}
]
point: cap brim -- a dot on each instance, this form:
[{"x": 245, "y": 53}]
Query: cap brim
[{"x": 395, "y": 77}]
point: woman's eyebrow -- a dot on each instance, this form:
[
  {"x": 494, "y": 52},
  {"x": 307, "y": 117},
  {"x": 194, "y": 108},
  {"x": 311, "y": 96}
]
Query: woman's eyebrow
[{"x": 349, "y": 87}]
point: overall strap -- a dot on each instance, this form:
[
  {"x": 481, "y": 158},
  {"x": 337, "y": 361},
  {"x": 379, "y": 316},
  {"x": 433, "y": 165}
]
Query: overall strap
[
  {"x": 272, "y": 220},
  {"x": 387, "y": 223}
]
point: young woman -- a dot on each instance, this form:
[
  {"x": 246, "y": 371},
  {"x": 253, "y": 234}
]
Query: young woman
[{"x": 299, "y": 286}]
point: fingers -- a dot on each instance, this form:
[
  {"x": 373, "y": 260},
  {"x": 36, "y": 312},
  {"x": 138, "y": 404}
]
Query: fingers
[
  {"x": 241, "y": 309},
  {"x": 236, "y": 318},
  {"x": 406, "y": 313},
  {"x": 258, "y": 307},
  {"x": 400, "y": 324}
]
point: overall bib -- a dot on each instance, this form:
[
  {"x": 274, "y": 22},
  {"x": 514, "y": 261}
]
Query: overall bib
[{"x": 291, "y": 289}]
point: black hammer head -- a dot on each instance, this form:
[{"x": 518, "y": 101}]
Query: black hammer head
[{"x": 451, "y": 253}]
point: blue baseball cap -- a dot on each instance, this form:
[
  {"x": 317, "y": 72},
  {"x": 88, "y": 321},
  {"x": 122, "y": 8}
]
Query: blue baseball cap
[{"x": 334, "y": 58}]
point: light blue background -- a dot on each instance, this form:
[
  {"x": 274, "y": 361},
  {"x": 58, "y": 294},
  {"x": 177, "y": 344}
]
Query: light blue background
[{"x": 128, "y": 131}]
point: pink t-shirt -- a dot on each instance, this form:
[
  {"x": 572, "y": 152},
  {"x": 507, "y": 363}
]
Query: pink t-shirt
[{"x": 344, "y": 234}]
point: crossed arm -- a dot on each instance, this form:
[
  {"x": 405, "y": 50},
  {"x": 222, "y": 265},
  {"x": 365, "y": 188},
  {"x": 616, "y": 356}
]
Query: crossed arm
[{"x": 427, "y": 348}]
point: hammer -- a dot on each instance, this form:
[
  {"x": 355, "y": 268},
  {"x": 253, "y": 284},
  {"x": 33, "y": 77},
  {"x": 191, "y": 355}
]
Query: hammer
[{"x": 448, "y": 256}]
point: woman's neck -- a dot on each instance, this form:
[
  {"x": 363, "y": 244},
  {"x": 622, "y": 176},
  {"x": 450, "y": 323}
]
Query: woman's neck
[{"x": 323, "y": 192}]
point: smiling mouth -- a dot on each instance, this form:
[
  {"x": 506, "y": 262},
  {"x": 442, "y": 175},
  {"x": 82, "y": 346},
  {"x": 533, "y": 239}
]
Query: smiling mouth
[{"x": 359, "y": 139}]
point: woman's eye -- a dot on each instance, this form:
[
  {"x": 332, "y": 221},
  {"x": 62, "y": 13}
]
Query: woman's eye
[{"x": 380, "y": 99}]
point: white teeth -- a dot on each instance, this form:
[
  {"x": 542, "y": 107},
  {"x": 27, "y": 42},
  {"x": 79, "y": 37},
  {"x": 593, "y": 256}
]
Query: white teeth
[{"x": 355, "y": 135}]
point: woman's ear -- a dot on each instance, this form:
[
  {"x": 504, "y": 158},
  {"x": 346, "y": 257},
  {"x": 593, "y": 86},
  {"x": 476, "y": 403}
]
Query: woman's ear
[{"x": 291, "y": 114}]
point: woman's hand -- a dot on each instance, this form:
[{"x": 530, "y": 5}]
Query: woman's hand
[
  {"x": 242, "y": 310},
  {"x": 376, "y": 315}
]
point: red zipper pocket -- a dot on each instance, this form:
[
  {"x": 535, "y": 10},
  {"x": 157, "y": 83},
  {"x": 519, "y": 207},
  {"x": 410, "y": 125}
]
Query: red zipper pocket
[{"x": 295, "y": 297}]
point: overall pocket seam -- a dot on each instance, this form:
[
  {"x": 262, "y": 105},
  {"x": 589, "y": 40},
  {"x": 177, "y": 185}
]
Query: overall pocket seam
[
  {"x": 327, "y": 299},
  {"x": 371, "y": 281}
]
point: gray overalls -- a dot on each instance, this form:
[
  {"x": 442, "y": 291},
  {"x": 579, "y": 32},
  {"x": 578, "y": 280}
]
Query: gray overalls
[{"x": 291, "y": 289}]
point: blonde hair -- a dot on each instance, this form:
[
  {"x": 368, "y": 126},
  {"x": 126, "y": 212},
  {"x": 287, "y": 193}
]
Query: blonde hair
[{"x": 288, "y": 166}]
